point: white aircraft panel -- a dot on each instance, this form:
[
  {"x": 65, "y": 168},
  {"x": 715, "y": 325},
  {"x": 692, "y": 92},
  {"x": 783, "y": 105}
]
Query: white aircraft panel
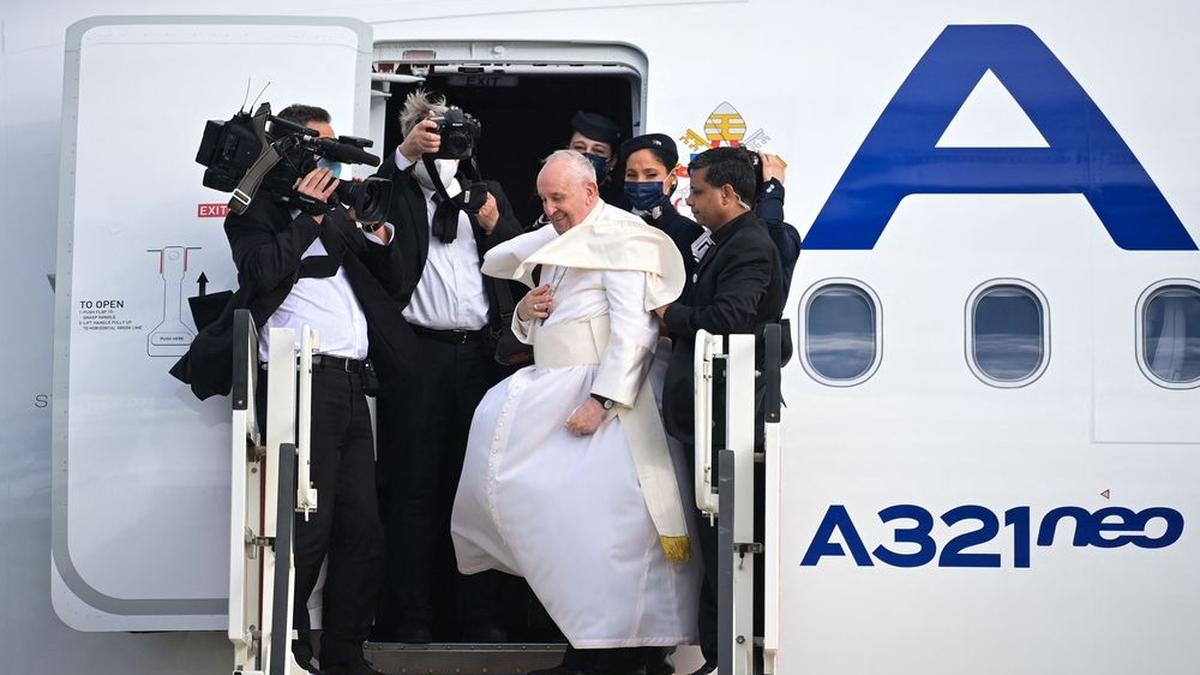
[
  {"x": 141, "y": 467},
  {"x": 924, "y": 431}
]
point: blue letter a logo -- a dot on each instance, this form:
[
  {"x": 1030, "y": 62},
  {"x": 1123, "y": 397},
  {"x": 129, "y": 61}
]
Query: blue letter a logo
[{"x": 1084, "y": 155}]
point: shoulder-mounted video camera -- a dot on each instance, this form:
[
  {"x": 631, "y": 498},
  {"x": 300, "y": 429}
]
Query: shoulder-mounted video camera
[{"x": 243, "y": 156}]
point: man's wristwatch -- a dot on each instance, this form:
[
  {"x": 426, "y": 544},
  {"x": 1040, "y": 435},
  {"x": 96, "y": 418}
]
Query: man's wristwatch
[{"x": 607, "y": 403}]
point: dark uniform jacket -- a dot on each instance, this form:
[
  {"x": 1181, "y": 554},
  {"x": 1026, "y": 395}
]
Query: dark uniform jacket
[
  {"x": 737, "y": 288},
  {"x": 682, "y": 230},
  {"x": 267, "y": 244},
  {"x": 786, "y": 238}
]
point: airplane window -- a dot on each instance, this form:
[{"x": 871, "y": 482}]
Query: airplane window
[
  {"x": 1007, "y": 337},
  {"x": 840, "y": 340},
  {"x": 1171, "y": 334}
]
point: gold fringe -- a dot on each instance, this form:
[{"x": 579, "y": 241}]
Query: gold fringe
[{"x": 677, "y": 549}]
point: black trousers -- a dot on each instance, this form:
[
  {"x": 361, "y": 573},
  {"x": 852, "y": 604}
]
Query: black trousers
[
  {"x": 709, "y": 615},
  {"x": 709, "y": 593},
  {"x": 423, "y": 426},
  {"x": 707, "y": 534},
  {"x": 346, "y": 526},
  {"x": 620, "y": 660}
]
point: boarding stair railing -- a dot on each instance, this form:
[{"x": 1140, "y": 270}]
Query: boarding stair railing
[
  {"x": 729, "y": 469},
  {"x": 263, "y": 503}
]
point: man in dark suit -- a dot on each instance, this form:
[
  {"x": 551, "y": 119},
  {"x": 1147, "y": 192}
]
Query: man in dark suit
[
  {"x": 319, "y": 269},
  {"x": 737, "y": 287},
  {"x": 455, "y": 313}
]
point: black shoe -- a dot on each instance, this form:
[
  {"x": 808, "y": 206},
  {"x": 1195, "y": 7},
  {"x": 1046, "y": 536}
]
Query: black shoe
[
  {"x": 657, "y": 660},
  {"x": 617, "y": 661},
  {"x": 358, "y": 667},
  {"x": 707, "y": 668},
  {"x": 414, "y": 634},
  {"x": 615, "y": 670},
  {"x": 485, "y": 632},
  {"x": 560, "y": 669}
]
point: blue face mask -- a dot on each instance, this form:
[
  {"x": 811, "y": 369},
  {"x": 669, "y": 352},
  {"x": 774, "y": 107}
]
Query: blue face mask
[
  {"x": 336, "y": 168},
  {"x": 644, "y": 195},
  {"x": 599, "y": 164}
]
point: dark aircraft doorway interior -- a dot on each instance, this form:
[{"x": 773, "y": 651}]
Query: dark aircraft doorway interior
[
  {"x": 525, "y": 109},
  {"x": 525, "y": 113}
]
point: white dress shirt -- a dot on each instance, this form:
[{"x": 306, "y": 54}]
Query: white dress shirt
[
  {"x": 328, "y": 305},
  {"x": 450, "y": 294}
]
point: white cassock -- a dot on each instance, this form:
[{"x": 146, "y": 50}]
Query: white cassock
[{"x": 566, "y": 512}]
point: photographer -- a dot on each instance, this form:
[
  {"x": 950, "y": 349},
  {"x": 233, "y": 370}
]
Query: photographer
[
  {"x": 445, "y": 223},
  {"x": 317, "y": 268}
]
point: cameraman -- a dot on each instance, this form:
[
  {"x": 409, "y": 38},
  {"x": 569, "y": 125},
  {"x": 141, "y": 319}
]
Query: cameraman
[
  {"x": 456, "y": 313},
  {"x": 319, "y": 269}
]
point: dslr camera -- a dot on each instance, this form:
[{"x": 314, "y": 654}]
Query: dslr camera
[
  {"x": 244, "y": 156},
  {"x": 459, "y": 132}
]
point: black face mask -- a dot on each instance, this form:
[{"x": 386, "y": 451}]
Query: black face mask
[
  {"x": 600, "y": 164},
  {"x": 645, "y": 195}
]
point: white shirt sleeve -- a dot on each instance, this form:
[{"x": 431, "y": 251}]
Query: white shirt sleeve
[
  {"x": 371, "y": 236},
  {"x": 401, "y": 161}
]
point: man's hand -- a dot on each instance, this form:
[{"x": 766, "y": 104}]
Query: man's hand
[
  {"x": 536, "y": 304},
  {"x": 587, "y": 418},
  {"x": 773, "y": 167},
  {"x": 423, "y": 139},
  {"x": 488, "y": 214},
  {"x": 318, "y": 185}
]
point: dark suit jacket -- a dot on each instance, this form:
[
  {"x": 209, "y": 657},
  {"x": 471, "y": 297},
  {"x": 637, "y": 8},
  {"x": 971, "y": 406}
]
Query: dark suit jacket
[
  {"x": 408, "y": 213},
  {"x": 737, "y": 288},
  {"x": 683, "y": 231},
  {"x": 267, "y": 244}
]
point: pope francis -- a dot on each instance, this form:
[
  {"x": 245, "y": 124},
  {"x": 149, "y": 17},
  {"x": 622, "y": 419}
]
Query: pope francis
[{"x": 569, "y": 480}]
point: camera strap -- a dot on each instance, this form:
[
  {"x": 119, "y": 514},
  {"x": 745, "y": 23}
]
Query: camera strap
[
  {"x": 445, "y": 215},
  {"x": 435, "y": 178},
  {"x": 248, "y": 186},
  {"x": 245, "y": 190},
  {"x": 474, "y": 190}
]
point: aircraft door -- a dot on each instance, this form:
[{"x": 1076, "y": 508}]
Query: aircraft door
[{"x": 141, "y": 468}]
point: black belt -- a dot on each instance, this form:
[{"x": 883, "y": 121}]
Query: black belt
[
  {"x": 454, "y": 337},
  {"x": 329, "y": 362}
]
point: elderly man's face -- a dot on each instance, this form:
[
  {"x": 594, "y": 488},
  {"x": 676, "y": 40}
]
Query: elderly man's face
[{"x": 567, "y": 198}]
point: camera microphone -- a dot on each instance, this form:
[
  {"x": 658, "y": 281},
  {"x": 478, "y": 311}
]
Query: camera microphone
[{"x": 341, "y": 152}]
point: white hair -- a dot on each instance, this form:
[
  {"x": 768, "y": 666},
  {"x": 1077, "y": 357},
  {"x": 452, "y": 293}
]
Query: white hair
[
  {"x": 417, "y": 106},
  {"x": 576, "y": 163}
]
